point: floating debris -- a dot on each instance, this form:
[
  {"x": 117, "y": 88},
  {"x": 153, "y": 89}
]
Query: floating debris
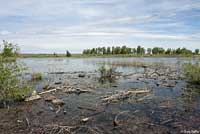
[
  {"x": 123, "y": 95},
  {"x": 58, "y": 102},
  {"x": 85, "y": 120}
]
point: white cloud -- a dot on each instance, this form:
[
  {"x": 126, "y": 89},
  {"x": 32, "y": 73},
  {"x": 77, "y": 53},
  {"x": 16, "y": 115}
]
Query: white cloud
[
  {"x": 70, "y": 22},
  {"x": 4, "y": 32}
]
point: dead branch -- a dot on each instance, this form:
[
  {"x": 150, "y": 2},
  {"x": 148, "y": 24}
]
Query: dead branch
[
  {"x": 49, "y": 91},
  {"x": 116, "y": 122}
]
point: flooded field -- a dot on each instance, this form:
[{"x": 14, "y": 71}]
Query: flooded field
[{"x": 149, "y": 97}]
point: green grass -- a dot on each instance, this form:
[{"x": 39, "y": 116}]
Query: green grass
[
  {"x": 192, "y": 72},
  {"x": 107, "y": 71}
]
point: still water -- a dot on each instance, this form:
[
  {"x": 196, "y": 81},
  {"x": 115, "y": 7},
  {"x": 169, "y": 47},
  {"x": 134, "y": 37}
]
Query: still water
[{"x": 46, "y": 65}]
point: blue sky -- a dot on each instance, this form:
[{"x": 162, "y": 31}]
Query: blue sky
[{"x": 46, "y": 26}]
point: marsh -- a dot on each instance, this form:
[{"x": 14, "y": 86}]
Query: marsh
[{"x": 169, "y": 106}]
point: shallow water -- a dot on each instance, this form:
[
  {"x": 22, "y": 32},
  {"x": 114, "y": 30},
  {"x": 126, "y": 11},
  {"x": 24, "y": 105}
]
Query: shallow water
[
  {"x": 45, "y": 65},
  {"x": 165, "y": 109}
]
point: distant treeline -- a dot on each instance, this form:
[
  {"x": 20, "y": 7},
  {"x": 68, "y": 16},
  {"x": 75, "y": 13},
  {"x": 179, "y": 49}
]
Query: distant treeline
[{"x": 139, "y": 51}]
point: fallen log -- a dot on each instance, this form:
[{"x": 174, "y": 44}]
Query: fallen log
[{"x": 32, "y": 98}]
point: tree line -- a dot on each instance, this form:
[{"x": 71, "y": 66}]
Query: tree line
[{"x": 139, "y": 50}]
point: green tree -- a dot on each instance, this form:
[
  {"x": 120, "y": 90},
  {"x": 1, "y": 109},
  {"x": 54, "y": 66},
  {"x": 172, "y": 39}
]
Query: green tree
[
  {"x": 185, "y": 51},
  {"x": 68, "y": 54},
  {"x": 129, "y": 50},
  {"x": 134, "y": 51},
  {"x": 142, "y": 51},
  {"x": 108, "y": 50},
  {"x": 149, "y": 51},
  {"x": 139, "y": 50},
  {"x": 178, "y": 51},
  {"x": 168, "y": 51},
  {"x": 123, "y": 50},
  {"x": 196, "y": 51},
  {"x": 104, "y": 50},
  {"x": 113, "y": 50},
  {"x": 158, "y": 50},
  {"x": 55, "y": 54}
]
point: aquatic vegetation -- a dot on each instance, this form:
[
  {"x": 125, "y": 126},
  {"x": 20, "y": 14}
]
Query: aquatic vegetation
[
  {"x": 107, "y": 71},
  {"x": 192, "y": 72},
  {"x": 36, "y": 76},
  {"x": 132, "y": 64}
]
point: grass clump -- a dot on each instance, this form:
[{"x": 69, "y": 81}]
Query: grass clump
[
  {"x": 36, "y": 76},
  {"x": 192, "y": 72},
  {"x": 107, "y": 71}
]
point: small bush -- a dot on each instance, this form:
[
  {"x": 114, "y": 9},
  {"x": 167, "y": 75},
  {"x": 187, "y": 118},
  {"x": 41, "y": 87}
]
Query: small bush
[
  {"x": 12, "y": 85},
  {"x": 36, "y": 76},
  {"x": 192, "y": 72}
]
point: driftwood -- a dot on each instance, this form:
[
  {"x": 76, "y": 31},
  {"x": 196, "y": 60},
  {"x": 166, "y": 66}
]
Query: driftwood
[
  {"x": 71, "y": 90},
  {"x": 66, "y": 89},
  {"x": 32, "y": 98},
  {"x": 49, "y": 91},
  {"x": 123, "y": 95}
]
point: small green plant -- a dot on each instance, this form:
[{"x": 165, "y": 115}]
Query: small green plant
[
  {"x": 192, "y": 72},
  {"x": 107, "y": 71},
  {"x": 36, "y": 76}
]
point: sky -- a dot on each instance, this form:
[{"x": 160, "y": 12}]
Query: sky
[{"x": 47, "y": 26}]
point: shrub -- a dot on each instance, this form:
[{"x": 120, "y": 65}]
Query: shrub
[
  {"x": 12, "y": 86},
  {"x": 192, "y": 72},
  {"x": 9, "y": 50}
]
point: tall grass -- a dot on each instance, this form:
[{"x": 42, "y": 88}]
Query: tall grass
[
  {"x": 36, "y": 76},
  {"x": 192, "y": 72},
  {"x": 107, "y": 71}
]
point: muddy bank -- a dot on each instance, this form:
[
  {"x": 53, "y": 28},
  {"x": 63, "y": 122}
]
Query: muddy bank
[{"x": 155, "y": 99}]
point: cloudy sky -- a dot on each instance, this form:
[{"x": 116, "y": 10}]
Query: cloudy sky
[{"x": 46, "y": 26}]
